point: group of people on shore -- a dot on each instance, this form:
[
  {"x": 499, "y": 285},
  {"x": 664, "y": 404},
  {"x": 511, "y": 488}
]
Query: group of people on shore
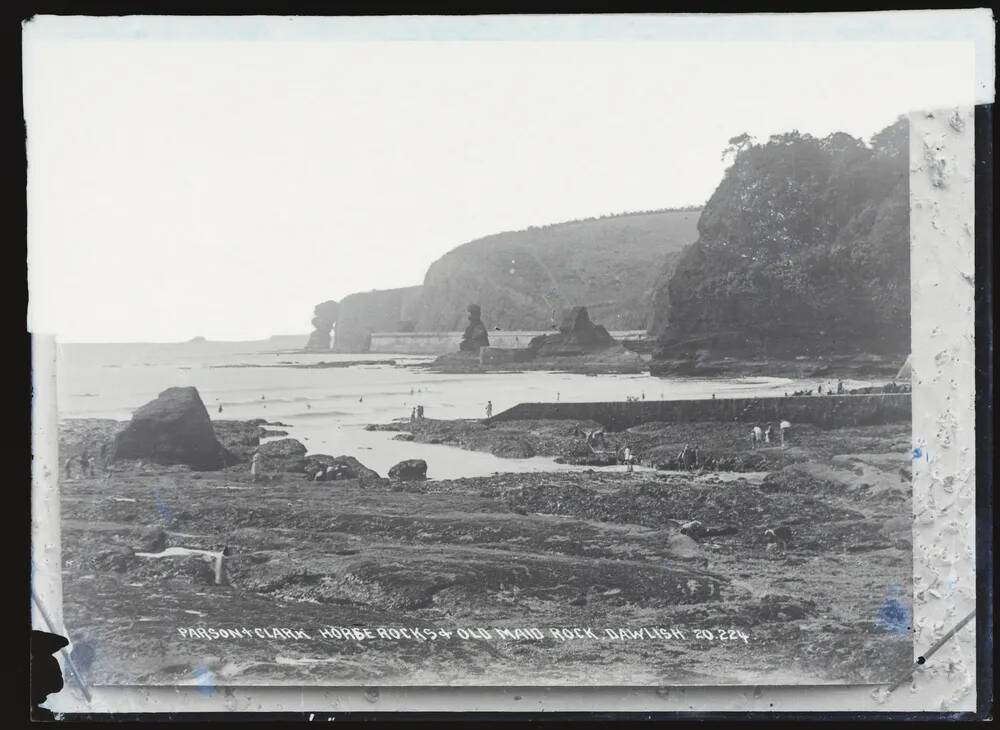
[
  {"x": 86, "y": 462},
  {"x": 416, "y": 414},
  {"x": 830, "y": 390},
  {"x": 760, "y": 436}
]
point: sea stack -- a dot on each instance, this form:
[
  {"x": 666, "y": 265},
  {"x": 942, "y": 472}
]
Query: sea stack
[
  {"x": 324, "y": 317},
  {"x": 173, "y": 429},
  {"x": 475, "y": 334},
  {"x": 577, "y": 335}
]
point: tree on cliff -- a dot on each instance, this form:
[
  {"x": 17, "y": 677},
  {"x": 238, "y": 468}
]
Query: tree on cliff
[{"x": 803, "y": 247}]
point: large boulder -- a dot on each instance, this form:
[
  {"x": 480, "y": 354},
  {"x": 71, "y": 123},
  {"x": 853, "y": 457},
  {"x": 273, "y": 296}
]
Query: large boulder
[
  {"x": 173, "y": 429},
  {"x": 475, "y": 334},
  {"x": 409, "y": 470},
  {"x": 577, "y": 335},
  {"x": 343, "y": 467},
  {"x": 282, "y": 449}
]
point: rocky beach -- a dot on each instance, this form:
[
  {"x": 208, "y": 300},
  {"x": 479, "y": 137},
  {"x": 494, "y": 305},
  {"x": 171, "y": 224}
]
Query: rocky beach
[{"x": 786, "y": 564}]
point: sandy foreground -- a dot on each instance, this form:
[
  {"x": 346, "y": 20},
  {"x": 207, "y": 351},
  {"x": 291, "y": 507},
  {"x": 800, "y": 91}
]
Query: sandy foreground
[{"x": 654, "y": 577}]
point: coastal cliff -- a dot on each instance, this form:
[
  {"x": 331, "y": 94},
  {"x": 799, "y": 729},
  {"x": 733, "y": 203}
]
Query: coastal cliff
[
  {"x": 524, "y": 279},
  {"x": 803, "y": 249},
  {"x": 387, "y": 310}
]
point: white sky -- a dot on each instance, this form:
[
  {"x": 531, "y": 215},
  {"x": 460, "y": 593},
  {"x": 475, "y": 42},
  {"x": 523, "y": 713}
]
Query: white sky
[{"x": 223, "y": 188}]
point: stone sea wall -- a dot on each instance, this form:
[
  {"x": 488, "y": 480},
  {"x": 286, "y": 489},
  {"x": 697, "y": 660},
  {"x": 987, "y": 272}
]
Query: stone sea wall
[
  {"x": 439, "y": 343},
  {"x": 830, "y": 411}
]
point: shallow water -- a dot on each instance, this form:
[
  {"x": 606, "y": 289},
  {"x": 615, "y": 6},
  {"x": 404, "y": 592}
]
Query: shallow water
[{"x": 327, "y": 409}]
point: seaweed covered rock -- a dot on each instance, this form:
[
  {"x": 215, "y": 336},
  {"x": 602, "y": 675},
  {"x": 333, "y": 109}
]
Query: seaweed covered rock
[{"x": 409, "y": 470}]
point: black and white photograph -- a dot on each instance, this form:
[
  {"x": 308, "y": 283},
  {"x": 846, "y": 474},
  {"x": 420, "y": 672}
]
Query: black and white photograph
[{"x": 436, "y": 361}]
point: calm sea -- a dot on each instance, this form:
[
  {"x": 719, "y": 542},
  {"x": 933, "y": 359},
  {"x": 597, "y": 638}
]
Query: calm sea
[{"x": 327, "y": 409}]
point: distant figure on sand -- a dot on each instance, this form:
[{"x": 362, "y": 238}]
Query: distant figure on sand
[
  {"x": 840, "y": 387},
  {"x": 784, "y": 426},
  {"x": 819, "y": 389},
  {"x": 420, "y": 413},
  {"x": 255, "y": 466},
  {"x": 220, "y": 408},
  {"x": 489, "y": 409},
  {"x": 767, "y": 434},
  {"x": 756, "y": 436},
  {"x": 413, "y": 414}
]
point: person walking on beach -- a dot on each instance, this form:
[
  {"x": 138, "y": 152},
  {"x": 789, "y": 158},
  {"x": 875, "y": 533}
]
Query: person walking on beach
[
  {"x": 255, "y": 466},
  {"x": 489, "y": 409},
  {"x": 756, "y": 436},
  {"x": 840, "y": 387},
  {"x": 783, "y": 428},
  {"x": 767, "y": 434},
  {"x": 413, "y": 414},
  {"x": 627, "y": 458},
  {"x": 220, "y": 408},
  {"x": 420, "y": 413}
]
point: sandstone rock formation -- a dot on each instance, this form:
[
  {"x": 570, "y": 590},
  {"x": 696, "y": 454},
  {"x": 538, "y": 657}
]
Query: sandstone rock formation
[
  {"x": 475, "y": 334},
  {"x": 577, "y": 335},
  {"x": 409, "y": 470},
  {"x": 173, "y": 429},
  {"x": 324, "y": 317}
]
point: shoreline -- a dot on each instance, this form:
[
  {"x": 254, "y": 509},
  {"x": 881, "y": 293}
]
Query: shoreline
[{"x": 689, "y": 548}]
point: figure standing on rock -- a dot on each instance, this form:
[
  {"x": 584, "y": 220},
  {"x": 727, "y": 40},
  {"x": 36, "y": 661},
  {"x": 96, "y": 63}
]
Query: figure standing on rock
[{"x": 489, "y": 409}]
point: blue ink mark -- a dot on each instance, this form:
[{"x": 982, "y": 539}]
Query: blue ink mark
[
  {"x": 205, "y": 680},
  {"x": 918, "y": 453},
  {"x": 166, "y": 514},
  {"x": 893, "y": 614}
]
